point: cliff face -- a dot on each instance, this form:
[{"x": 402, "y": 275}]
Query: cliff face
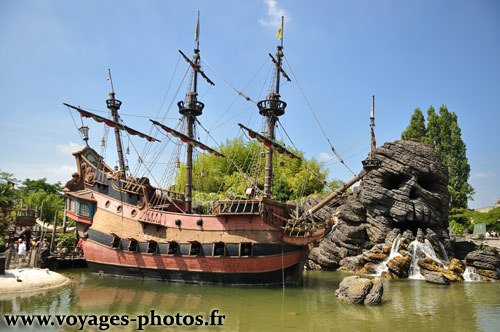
[{"x": 408, "y": 191}]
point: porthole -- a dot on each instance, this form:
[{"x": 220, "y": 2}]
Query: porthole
[
  {"x": 107, "y": 204},
  {"x": 119, "y": 209},
  {"x": 133, "y": 213}
]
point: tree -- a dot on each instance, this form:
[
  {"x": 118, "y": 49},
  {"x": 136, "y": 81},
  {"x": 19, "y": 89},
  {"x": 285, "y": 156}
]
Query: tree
[
  {"x": 444, "y": 134},
  {"x": 221, "y": 175},
  {"x": 41, "y": 184},
  {"x": 416, "y": 129},
  {"x": 8, "y": 197}
]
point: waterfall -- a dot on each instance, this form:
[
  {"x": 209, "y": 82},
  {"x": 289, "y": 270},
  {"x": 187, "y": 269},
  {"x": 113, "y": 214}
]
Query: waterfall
[
  {"x": 443, "y": 252},
  {"x": 470, "y": 274},
  {"x": 414, "y": 250},
  {"x": 382, "y": 267}
]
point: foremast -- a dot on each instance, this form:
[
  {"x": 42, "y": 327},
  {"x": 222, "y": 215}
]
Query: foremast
[
  {"x": 113, "y": 105},
  {"x": 272, "y": 108}
]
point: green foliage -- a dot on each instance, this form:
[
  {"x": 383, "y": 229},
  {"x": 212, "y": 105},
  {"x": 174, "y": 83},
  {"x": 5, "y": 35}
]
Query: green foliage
[
  {"x": 8, "y": 197},
  {"x": 416, "y": 129},
  {"x": 34, "y": 186},
  {"x": 444, "y": 134},
  {"x": 221, "y": 176},
  {"x": 457, "y": 228},
  {"x": 67, "y": 239},
  {"x": 461, "y": 219},
  {"x": 32, "y": 193}
]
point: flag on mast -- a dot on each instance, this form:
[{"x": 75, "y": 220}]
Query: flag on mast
[
  {"x": 279, "y": 35},
  {"x": 197, "y": 33}
]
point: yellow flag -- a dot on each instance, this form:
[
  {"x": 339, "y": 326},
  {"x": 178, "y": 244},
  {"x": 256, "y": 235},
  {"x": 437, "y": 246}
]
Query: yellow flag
[{"x": 280, "y": 33}]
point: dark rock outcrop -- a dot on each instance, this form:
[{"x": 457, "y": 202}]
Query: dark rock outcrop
[
  {"x": 462, "y": 248},
  {"x": 360, "y": 290},
  {"x": 487, "y": 259},
  {"x": 409, "y": 191}
]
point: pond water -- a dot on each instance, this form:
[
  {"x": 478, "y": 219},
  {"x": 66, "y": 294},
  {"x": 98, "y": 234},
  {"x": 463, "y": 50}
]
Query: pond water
[{"x": 408, "y": 305}]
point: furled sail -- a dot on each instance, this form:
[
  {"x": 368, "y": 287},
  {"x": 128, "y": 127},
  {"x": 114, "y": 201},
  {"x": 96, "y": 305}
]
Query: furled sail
[
  {"x": 196, "y": 67},
  {"x": 269, "y": 143},
  {"x": 187, "y": 139},
  {"x": 112, "y": 123},
  {"x": 280, "y": 68}
]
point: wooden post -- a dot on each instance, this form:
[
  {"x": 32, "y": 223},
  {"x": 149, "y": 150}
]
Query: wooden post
[
  {"x": 65, "y": 220},
  {"x": 53, "y": 232}
]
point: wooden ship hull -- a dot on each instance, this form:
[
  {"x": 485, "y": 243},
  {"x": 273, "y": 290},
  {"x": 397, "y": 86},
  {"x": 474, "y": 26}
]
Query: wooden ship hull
[{"x": 240, "y": 242}]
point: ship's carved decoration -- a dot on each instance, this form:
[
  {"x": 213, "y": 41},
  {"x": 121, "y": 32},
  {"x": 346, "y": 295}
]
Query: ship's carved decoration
[
  {"x": 89, "y": 175},
  {"x": 75, "y": 183}
]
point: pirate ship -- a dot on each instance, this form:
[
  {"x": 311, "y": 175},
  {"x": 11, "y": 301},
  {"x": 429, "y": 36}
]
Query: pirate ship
[{"x": 132, "y": 228}]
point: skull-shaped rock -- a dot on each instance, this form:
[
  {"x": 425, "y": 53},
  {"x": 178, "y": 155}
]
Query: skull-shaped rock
[{"x": 408, "y": 191}]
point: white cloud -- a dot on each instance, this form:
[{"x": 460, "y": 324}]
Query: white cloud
[
  {"x": 484, "y": 174},
  {"x": 274, "y": 14},
  {"x": 68, "y": 148},
  {"x": 323, "y": 156},
  {"x": 63, "y": 170}
]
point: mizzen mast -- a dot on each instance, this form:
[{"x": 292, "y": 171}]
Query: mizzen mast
[
  {"x": 191, "y": 108},
  {"x": 272, "y": 108}
]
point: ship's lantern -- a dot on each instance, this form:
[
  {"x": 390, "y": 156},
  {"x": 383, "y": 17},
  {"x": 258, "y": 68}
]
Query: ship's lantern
[{"x": 84, "y": 131}]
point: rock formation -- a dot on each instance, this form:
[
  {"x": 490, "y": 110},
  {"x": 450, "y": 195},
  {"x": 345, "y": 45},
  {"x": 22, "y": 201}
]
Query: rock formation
[
  {"x": 360, "y": 290},
  {"x": 486, "y": 262},
  {"x": 409, "y": 191}
]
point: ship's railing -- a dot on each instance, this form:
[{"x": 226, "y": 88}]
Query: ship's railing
[
  {"x": 243, "y": 206},
  {"x": 170, "y": 193}
]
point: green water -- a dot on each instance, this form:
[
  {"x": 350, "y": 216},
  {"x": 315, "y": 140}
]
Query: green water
[{"x": 408, "y": 305}]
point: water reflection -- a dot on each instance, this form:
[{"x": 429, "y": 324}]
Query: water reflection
[{"x": 408, "y": 305}]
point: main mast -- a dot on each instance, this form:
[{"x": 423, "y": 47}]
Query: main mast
[
  {"x": 191, "y": 109},
  {"x": 114, "y": 105},
  {"x": 272, "y": 108}
]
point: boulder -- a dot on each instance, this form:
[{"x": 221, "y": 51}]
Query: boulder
[
  {"x": 435, "y": 278},
  {"x": 399, "y": 266},
  {"x": 487, "y": 259},
  {"x": 489, "y": 275},
  {"x": 429, "y": 264},
  {"x": 456, "y": 266},
  {"x": 360, "y": 290}
]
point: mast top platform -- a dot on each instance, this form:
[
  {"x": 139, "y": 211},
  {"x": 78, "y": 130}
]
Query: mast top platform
[
  {"x": 112, "y": 103},
  {"x": 272, "y": 106},
  {"x": 193, "y": 107}
]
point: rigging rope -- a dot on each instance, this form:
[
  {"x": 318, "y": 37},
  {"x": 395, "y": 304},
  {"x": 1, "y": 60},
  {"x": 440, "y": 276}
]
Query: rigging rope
[
  {"x": 317, "y": 120},
  {"x": 325, "y": 183}
]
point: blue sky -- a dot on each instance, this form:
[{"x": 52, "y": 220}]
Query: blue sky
[{"x": 408, "y": 53}]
